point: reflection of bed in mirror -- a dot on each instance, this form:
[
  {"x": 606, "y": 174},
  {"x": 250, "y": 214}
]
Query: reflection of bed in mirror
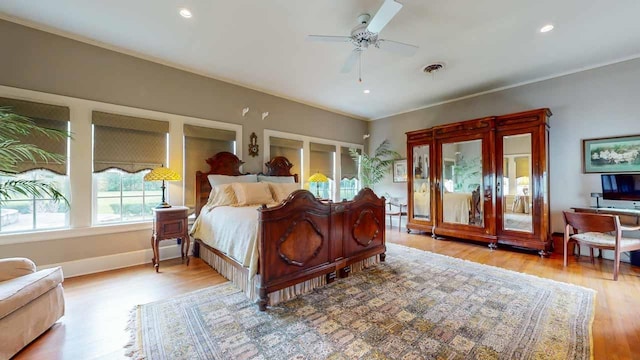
[
  {"x": 422, "y": 202},
  {"x": 456, "y": 207}
]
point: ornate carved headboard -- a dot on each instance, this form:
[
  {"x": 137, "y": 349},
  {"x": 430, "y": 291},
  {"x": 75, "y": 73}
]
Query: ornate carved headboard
[{"x": 226, "y": 163}]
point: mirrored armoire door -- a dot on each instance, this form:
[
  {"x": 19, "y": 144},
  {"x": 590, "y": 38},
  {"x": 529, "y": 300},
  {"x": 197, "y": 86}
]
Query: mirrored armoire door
[
  {"x": 464, "y": 188},
  {"x": 419, "y": 183}
]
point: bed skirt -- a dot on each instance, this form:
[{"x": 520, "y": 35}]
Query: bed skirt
[{"x": 240, "y": 277}]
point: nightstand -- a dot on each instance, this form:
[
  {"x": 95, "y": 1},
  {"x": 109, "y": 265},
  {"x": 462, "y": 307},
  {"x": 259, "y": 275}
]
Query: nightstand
[{"x": 170, "y": 223}]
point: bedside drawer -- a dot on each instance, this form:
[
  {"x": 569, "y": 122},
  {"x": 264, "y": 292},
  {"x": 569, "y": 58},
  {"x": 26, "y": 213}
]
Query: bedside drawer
[
  {"x": 171, "y": 215},
  {"x": 171, "y": 228}
]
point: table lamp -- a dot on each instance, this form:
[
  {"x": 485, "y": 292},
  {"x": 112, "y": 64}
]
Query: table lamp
[
  {"x": 164, "y": 174},
  {"x": 318, "y": 178}
]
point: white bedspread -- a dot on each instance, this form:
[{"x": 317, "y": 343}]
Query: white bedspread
[
  {"x": 233, "y": 231},
  {"x": 455, "y": 207}
]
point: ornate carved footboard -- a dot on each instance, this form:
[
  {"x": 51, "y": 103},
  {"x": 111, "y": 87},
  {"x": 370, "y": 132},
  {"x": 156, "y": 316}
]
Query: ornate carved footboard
[{"x": 303, "y": 238}]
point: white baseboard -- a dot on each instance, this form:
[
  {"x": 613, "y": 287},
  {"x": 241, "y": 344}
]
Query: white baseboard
[{"x": 112, "y": 262}]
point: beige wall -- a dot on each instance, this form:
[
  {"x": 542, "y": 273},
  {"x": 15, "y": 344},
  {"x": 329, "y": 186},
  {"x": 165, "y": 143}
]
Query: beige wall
[
  {"x": 40, "y": 61},
  {"x": 595, "y": 103}
]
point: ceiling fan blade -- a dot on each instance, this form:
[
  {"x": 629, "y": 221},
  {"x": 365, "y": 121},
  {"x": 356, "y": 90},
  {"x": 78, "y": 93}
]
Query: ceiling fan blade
[
  {"x": 398, "y": 47},
  {"x": 328, "y": 38},
  {"x": 351, "y": 60},
  {"x": 387, "y": 11}
]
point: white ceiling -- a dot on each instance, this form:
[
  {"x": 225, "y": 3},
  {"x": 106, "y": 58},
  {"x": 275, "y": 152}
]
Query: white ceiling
[{"x": 261, "y": 44}]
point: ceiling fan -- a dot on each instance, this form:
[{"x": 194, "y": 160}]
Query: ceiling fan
[{"x": 366, "y": 34}]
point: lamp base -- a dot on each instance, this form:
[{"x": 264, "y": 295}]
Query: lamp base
[{"x": 163, "y": 205}]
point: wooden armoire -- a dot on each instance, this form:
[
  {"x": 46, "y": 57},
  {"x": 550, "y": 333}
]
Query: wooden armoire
[{"x": 484, "y": 179}]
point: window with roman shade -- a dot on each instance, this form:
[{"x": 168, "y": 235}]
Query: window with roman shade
[
  {"x": 25, "y": 212},
  {"x": 44, "y": 115},
  {"x": 349, "y": 182},
  {"x": 128, "y": 143},
  {"x": 322, "y": 157},
  {"x": 125, "y": 148},
  {"x": 291, "y": 149},
  {"x": 200, "y": 143}
]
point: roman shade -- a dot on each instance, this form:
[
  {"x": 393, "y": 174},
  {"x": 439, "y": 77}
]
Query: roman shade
[
  {"x": 522, "y": 166},
  {"x": 201, "y": 143},
  {"x": 322, "y": 159},
  {"x": 348, "y": 166},
  {"x": 291, "y": 149},
  {"x": 128, "y": 143},
  {"x": 44, "y": 115}
]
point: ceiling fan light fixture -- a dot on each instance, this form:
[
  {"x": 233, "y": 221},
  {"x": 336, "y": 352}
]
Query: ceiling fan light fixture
[
  {"x": 433, "y": 68},
  {"x": 185, "y": 13}
]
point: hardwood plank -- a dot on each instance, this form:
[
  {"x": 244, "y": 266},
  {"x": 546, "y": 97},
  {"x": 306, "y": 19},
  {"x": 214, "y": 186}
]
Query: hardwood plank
[{"x": 98, "y": 305}]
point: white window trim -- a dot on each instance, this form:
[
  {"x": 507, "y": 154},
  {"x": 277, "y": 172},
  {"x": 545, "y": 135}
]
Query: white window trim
[
  {"x": 81, "y": 158},
  {"x": 306, "y": 154}
]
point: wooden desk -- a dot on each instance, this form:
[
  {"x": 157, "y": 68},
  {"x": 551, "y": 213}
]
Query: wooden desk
[{"x": 170, "y": 223}]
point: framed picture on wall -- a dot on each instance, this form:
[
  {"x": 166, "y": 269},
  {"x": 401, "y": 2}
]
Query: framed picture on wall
[
  {"x": 400, "y": 170},
  {"x": 611, "y": 155}
]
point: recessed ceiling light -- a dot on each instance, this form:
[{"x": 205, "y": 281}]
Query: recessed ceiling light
[
  {"x": 185, "y": 13},
  {"x": 546, "y": 28},
  {"x": 366, "y": 91}
]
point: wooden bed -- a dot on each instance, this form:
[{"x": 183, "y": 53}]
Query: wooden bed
[{"x": 302, "y": 243}]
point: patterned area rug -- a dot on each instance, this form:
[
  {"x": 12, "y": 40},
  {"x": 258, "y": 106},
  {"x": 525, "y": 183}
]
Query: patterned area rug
[{"x": 417, "y": 305}]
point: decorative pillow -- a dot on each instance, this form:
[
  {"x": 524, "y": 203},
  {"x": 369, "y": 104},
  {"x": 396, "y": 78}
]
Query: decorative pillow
[
  {"x": 252, "y": 193},
  {"x": 226, "y": 179},
  {"x": 222, "y": 195},
  {"x": 276, "y": 179},
  {"x": 281, "y": 191}
]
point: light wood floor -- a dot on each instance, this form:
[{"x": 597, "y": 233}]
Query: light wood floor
[{"x": 97, "y": 306}]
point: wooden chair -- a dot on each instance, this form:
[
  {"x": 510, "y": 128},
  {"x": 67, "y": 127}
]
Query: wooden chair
[
  {"x": 396, "y": 209},
  {"x": 598, "y": 231}
]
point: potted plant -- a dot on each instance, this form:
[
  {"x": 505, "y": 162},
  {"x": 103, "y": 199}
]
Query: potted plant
[
  {"x": 373, "y": 168},
  {"x": 13, "y": 151}
]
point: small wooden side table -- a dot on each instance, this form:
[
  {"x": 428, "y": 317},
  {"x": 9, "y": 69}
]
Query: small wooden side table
[{"x": 170, "y": 223}]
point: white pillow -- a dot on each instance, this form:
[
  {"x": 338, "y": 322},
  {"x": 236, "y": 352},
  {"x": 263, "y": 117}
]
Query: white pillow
[
  {"x": 222, "y": 195},
  {"x": 282, "y": 191},
  {"x": 227, "y": 179},
  {"x": 276, "y": 179},
  {"x": 252, "y": 193}
]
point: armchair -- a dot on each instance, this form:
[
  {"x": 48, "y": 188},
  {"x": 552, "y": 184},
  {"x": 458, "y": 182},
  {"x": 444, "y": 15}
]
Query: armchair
[{"x": 30, "y": 303}]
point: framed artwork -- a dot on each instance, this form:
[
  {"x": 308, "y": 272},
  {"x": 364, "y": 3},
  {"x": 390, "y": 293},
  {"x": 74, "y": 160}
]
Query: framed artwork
[
  {"x": 611, "y": 155},
  {"x": 400, "y": 170}
]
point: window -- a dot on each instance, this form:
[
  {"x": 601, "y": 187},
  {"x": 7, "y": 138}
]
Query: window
[
  {"x": 125, "y": 149},
  {"x": 291, "y": 149},
  {"x": 125, "y": 197},
  {"x": 322, "y": 161},
  {"x": 27, "y": 213},
  {"x": 349, "y": 184},
  {"x": 201, "y": 143}
]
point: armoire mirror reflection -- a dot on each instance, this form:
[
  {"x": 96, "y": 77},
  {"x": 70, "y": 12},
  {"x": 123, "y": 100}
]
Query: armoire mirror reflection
[
  {"x": 421, "y": 187},
  {"x": 516, "y": 183},
  {"x": 461, "y": 188}
]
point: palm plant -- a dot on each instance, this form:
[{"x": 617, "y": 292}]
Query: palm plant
[
  {"x": 374, "y": 168},
  {"x": 13, "y": 151}
]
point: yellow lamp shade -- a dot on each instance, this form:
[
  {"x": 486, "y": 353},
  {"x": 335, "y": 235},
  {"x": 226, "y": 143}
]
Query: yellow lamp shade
[
  {"x": 318, "y": 178},
  {"x": 162, "y": 173}
]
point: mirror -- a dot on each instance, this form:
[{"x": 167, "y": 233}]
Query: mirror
[
  {"x": 461, "y": 188},
  {"x": 516, "y": 183},
  {"x": 421, "y": 187}
]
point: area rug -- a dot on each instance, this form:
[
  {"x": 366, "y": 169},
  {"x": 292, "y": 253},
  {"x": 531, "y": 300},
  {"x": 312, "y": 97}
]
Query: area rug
[{"x": 416, "y": 305}]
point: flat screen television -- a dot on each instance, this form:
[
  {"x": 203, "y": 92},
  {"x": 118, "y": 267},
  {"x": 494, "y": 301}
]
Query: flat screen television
[{"x": 621, "y": 187}]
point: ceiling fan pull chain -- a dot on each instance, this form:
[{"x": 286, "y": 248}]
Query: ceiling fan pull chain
[{"x": 360, "y": 67}]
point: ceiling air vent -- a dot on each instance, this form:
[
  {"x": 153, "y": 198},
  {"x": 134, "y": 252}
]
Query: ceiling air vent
[{"x": 433, "y": 68}]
